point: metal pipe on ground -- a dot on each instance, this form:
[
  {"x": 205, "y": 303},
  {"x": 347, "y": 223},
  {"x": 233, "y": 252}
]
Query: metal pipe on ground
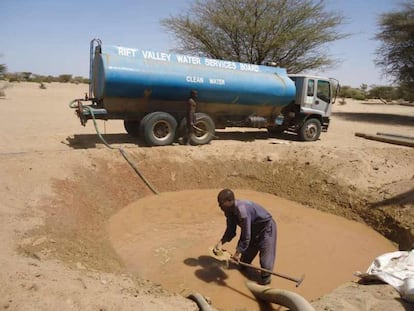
[
  {"x": 396, "y": 135},
  {"x": 390, "y": 140}
]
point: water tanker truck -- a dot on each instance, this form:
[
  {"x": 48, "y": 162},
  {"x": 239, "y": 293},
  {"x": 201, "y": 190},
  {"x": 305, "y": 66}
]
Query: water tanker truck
[{"x": 148, "y": 90}]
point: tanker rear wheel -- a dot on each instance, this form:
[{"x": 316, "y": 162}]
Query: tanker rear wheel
[
  {"x": 141, "y": 128},
  {"x": 205, "y": 129},
  {"x": 132, "y": 127},
  {"x": 159, "y": 129}
]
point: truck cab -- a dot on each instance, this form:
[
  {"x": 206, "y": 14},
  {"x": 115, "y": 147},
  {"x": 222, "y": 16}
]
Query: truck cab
[{"x": 309, "y": 114}]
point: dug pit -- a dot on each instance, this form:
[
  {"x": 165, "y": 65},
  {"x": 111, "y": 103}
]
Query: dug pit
[
  {"x": 104, "y": 218},
  {"x": 166, "y": 238}
]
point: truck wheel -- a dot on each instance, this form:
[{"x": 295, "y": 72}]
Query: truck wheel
[
  {"x": 310, "y": 130},
  {"x": 141, "y": 128},
  {"x": 132, "y": 127},
  {"x": 205, "y": 129},
  {"x": 159, "y": 129}
]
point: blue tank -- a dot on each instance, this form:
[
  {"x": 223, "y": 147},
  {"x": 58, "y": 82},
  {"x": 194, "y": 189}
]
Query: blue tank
[{"x": 127, "y": 79}]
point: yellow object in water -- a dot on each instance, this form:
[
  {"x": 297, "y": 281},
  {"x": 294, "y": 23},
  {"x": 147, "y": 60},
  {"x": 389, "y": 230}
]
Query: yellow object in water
[{"x": 220, "y": 254}]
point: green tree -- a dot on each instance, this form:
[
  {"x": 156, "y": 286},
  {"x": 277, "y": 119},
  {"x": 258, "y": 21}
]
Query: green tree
[
  {"x": 348, "y": 92},
  {"x": 64, "y": 78},
  {"x": 3, "y": 70},
  {"x": 405, "y": 91},
  {"x": 290, "y": 33},
  {"x": 384, "y": 92},
  {"x": 396, "y": 52},
  {"x": 26, "y": 75},
  {"x": 345, "y": 91},
  {"x": 364, "y": 87}
]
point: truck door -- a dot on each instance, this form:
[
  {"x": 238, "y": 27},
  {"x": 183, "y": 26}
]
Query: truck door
[
  {"x": 317, "y": 97},
  {"x": 322, "y": 97},
  {"x": 310, "y": 94}
]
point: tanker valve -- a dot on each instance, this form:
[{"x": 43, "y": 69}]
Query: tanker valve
[
  {"x": 80, "y": 114},
  {"x": 279, "y": 120}
]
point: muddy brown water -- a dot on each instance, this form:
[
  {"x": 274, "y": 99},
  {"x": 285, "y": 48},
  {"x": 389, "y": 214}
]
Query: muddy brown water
[{"x": 166, "y": 238}]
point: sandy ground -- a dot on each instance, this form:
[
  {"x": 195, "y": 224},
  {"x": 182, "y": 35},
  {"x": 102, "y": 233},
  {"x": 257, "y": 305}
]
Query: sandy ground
[{"x": 68, "y": 241}]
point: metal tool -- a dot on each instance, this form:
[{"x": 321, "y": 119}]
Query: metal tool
[
  {"x": 297, "y": 280},
  {"x": 222, "y": 254}
]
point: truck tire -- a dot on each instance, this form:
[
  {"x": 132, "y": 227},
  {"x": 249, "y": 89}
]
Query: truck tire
[
  {"x": 310, "y": 130},
  {"x": 205, "y": 129},
  {"x": 159, "y": 129},
  {"x": 142, "y": 123},
  {"x": 132, "y": 127}
]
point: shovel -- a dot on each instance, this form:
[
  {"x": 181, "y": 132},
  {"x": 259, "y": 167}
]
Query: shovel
[{"x": 224, "y": 255}]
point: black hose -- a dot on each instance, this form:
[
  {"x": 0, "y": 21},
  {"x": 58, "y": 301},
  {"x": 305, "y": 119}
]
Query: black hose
[{"x": 122, "y": 151}]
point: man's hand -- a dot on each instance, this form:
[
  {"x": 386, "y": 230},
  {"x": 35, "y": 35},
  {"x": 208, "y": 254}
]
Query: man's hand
[
  {"x": 217, "y": 250},
  {"x": 236, "y": 257},
  {"x": 218, "y": 246}
]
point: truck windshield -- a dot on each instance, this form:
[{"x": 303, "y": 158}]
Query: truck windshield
[{"x": 324, "y": 91}]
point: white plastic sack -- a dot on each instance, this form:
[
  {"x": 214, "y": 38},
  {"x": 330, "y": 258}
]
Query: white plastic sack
[{"x": 396, "y": 269}]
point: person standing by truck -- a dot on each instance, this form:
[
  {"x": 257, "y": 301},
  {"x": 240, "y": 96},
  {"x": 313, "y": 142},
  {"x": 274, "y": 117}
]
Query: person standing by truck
[
  {"x": 258, "y": 232},
  {"x": 191, "y": 106}
]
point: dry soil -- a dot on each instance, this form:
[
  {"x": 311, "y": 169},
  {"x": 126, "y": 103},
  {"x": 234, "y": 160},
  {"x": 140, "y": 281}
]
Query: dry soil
[{"x": 80, "y": 230}]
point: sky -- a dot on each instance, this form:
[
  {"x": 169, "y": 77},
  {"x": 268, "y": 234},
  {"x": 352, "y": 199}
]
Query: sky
[{"x": 52, "y": 37}]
